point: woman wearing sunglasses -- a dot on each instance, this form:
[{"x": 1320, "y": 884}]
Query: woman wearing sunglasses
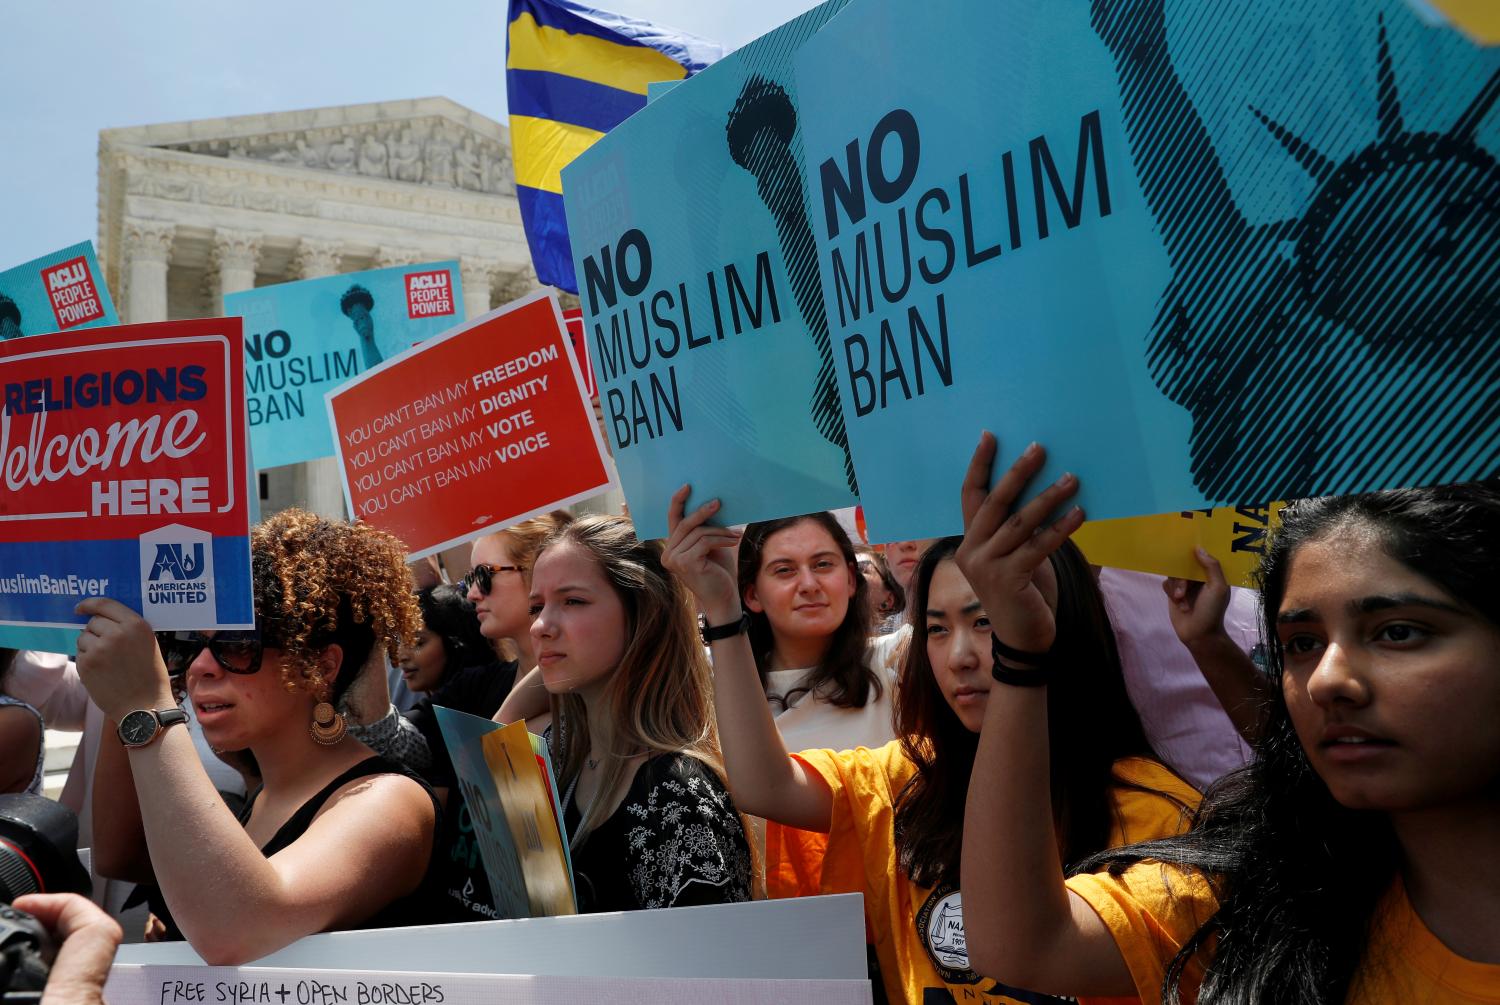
[{"x": 336, "y": 837}]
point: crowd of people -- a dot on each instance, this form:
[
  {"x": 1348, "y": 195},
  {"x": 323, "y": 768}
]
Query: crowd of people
[{"x": 1049, "y": 781}]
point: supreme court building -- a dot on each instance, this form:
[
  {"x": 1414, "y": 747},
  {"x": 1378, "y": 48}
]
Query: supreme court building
[{"x": 190, "y": 211}]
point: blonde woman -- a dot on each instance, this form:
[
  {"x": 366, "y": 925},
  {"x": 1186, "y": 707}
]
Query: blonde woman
[{"x": 648, "y": 815}]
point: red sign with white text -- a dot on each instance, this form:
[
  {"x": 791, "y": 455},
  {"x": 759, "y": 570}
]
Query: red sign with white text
[
  {"x": 429, "y": 294},
  {"x": 123, "y": 472},
  {"x": 472, "y": 431},
  {"x": 573, "y": 318},
  {"x": 75, "y": 298}
]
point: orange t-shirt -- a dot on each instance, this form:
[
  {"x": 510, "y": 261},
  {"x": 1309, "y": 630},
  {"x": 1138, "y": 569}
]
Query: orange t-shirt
[
  {"x": 918, "y": 932},
  {"x": 1152, "y": 910}
]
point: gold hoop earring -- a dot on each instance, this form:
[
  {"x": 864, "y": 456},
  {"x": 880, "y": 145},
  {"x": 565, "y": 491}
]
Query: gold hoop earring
[{"x": 328, "y": 725}]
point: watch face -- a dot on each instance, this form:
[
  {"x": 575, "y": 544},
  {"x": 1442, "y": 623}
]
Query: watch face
[{"x": 137, "y": 728}]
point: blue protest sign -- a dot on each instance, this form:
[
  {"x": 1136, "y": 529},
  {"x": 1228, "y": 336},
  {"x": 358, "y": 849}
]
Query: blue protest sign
[
  {"x": 698, "y": 278},
  {"x": 307, "y": 338},
  {"x": 57, "y": 292},
  {"x": 1209, "y": 253}
]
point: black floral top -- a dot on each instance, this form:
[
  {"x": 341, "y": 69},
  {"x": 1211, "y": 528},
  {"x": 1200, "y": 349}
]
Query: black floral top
[{"x": 675, "y": 841}]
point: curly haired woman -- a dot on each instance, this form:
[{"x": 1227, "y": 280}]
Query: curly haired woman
[{"x": 336, "y": 837}]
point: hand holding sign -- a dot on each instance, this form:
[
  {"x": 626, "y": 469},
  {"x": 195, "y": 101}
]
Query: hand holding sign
[
  {"x": 703, "y": 557},
  {"x": 119, "y": 661},
  {"x": 1005, "y": 550}
]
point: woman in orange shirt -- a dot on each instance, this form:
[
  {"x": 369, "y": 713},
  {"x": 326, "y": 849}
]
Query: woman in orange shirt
[
  {"x": 1354, "y": 860},
  {"x": 888, "y": 822}
]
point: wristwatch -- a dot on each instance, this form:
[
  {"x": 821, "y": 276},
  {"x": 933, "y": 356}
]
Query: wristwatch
[
  {"x": 140, "y": 727},
  {"x": 713, "y": 633}
]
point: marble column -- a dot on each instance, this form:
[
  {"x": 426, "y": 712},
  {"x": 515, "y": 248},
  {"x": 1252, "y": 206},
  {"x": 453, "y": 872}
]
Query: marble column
[
  {"x": 315, "y": 259},
  {"x": 387, "y": 257},
  {"x": 233, "y": 258},
  {"x": 515, "y": 284},
  {"x": 148, "y": 245},
  {"x": 477, "y": 277}
]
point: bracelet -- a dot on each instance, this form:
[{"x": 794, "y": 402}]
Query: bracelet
[
  {"x": 1030, "y": 677},
  {"x": 713, "y": 633},
  {"x": 1001, "y": 651},
  {"x": 1033, "y": 674}
]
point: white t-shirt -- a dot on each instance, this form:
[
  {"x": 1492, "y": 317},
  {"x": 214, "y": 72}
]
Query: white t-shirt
[{"x": 812, "y": 724}]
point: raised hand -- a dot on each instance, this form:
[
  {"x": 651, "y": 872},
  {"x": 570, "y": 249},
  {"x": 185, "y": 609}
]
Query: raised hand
[
  {"x": 1005, "y": 549},
  {"x": 703, "y": 557},
  {"x": 1197, "y": 609},
  {"x": 118, "y": 660}
]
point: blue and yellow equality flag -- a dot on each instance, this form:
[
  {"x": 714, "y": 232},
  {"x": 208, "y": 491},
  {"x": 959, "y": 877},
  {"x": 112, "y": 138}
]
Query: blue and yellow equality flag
[{"x": 572, "y": 74}]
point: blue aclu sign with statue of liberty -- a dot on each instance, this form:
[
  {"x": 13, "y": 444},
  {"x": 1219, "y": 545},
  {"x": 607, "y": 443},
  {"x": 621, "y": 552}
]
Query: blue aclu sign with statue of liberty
[
  {"x": 1208, "y": 252},
  {"x": 307, "y": 338}
]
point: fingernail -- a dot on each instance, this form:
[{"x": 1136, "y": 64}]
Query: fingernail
[
  {"x": 1032, "y": 449},
  {"x": 1067, "y": 479}
]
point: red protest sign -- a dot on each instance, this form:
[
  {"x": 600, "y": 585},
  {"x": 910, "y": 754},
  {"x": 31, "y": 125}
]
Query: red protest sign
[
  {"x": 473, "y": 430},
  {"x": 573, "y": 318},
  {"x": 123, "y": 473}
]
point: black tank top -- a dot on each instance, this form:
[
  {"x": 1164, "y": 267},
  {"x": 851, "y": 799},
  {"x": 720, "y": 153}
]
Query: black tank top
[{"x": 420, "y": 907}]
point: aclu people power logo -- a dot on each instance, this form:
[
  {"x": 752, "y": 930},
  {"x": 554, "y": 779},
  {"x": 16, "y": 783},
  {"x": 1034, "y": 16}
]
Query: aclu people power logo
[
  {"x": 177, "y": 577},
  {"x": 429, "y": 294},
  {"x": 73, "y": 293}
]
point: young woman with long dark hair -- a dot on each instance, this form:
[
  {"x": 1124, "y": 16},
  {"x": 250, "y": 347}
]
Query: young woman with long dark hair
[
  {"x": 887, "y": 822},
  {"x": 809, "y": 629},
  {"x": 1354, "y": 860}
]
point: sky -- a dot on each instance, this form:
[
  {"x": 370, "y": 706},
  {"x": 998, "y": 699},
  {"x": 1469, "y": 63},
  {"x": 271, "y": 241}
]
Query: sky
[{"x": 73, "y": 69}]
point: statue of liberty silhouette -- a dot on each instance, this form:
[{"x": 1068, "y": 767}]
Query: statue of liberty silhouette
[{"x": 1355, "y": 339}]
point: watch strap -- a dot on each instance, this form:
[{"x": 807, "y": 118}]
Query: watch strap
[{"x": 713, "y": 633}]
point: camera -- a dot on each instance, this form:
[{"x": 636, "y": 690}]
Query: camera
[{"x": 38, "y": 854}]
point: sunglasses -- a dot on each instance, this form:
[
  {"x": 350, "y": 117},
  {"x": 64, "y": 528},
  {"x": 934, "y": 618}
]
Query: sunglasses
[
  {"x": 483, "y": 577},
  {"x": 236, "y": 652}
]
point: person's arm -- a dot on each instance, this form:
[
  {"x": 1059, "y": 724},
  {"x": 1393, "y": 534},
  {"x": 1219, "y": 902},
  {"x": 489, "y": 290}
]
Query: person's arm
[
  {"x": 370, "y": 845},
  {"x": 119, "y": 850},
  {"x": 49, "y": 682},
  {"x": 764, "y": 780},
  {"x": 20, "y": 741},
  {"x": 528, "y": 699},
  {"x": 1021, "y": 923},
  {"x": 1197, "y": 611}
]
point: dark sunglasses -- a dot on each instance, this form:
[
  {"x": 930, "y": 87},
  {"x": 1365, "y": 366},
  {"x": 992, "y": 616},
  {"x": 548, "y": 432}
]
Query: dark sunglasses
[
  {"x": 483, "y": 576},
  {"x": 237, "y": 652}
]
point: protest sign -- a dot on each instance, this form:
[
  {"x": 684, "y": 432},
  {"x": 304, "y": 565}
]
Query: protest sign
[
  {"x": 57, "y": 292},
  {"x": 123, "y": 474},
  {"x": 1203, "y": 252},
  {"x": 1163, "y": 544},
  {"x": 473, "y": 431},
  {"x": 305, "y": 338},
  {"x": 511, "y": 802},
  {"x": 573, "y": 319},
  {"x": 187, "y": 985},
  {"x": 698, "y": 280},
  {"x": 800, "y": 938}
]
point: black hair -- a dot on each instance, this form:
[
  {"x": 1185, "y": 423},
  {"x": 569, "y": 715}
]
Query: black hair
[
  {"x": 9, "y": 311},
  {"x": 1297, "y": 875},
  {"x": 7, "y": 659},
  {"x": 447, "y": 614},
  {"x": 841, "y": 678},
  {"x": 887, "y": 580},
  {"x": 356, "y": 294}
]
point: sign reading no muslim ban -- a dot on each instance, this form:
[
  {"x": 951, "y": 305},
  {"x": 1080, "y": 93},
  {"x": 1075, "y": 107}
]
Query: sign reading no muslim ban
[
  {"x": 1203, "y": 260},
  {"x": 698, "y": 276},
  {"x": 305, "y": 338},
  {"x": 123, "y": 473},
  {"x": 472, "y": 431},
  {"x": 54, "y": 293}
]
